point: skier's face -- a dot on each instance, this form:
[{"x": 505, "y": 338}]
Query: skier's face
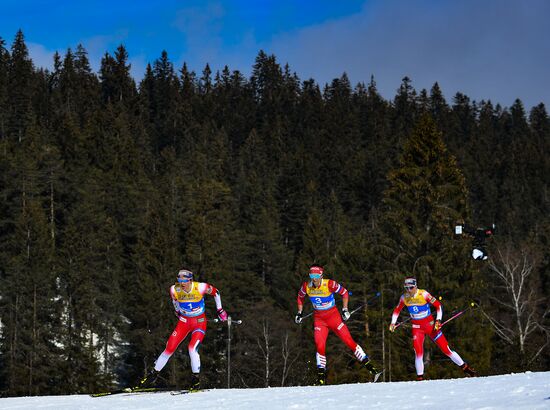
[
  {"x": 316, "y": 279},
  {"x": 410, "y": 289}
]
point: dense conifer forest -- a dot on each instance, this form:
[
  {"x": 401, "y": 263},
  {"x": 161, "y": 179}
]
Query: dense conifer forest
[{"x": 108, "y": 187}]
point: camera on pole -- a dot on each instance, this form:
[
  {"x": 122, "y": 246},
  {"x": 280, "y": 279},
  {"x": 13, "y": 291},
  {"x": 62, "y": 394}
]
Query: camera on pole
[{"x": 479, "y": 236}]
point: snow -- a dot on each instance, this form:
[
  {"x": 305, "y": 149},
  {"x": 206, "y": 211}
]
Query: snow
[{"x": 513, "y": 391}]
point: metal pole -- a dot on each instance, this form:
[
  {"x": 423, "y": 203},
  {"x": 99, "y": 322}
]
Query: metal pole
[
  {"x": 229, "y": 352},
  {"x": 383, "y": 336}
]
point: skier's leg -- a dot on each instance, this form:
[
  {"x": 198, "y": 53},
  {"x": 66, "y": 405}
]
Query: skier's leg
[
  {"x": 197, "y": 336},
  {"x": 442, "y": 343},
  {"x": 174, "y": 340},
  {"x": 342, "y": 331},
  {"x": 418, "y": 345},
  {"x": 320, "y": 333},
  {"x": 179, "y": 333}
]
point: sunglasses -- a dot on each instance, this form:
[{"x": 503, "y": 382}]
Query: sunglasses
[
  {"x": 184, "y": 280},
  {"x": 315, "y": 275},
  {"x": 409, "y": 287}
]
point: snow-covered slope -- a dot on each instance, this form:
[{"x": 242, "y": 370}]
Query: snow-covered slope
[{"x": 514, "y": 391}]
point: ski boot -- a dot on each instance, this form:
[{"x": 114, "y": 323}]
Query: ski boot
[
  {"x": 321, "y": 377},
  {"x": 148, "y": 380},
  {"x": 468, "y": 370},
  {"x": 420, "y": 377},
  {"x": 372, "y": 370},
  {"x": 195, "y": 383}
]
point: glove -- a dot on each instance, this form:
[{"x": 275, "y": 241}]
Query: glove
[
  {"x": 345, "y": 314},
  {"x": 222, "y": 314},
  {"x": 392, "y": 327},
  {"x": 298, "y": 318},
  {"x": 437, "y": 325}
]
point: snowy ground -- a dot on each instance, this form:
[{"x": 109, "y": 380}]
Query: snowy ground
[{"x": 514, "y": 391}]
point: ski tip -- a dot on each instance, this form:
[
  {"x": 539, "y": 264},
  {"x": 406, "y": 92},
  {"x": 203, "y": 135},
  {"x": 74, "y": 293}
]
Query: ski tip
[
  {"x": 377, "y": 376},
  {"x": 179, "y": 392},
  {"x": 109, "y": 393}
]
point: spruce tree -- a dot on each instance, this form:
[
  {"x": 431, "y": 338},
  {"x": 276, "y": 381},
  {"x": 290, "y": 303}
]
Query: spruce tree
[
  {"x": 427, "y": 195},
  {"x": 4, "y": 72},
  {"x": 20, "y": 76}
]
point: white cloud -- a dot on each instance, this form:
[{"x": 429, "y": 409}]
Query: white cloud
[
  {"x": 40, "y": 55},
  {"x": 100, "y": 44},
  {"x": 138, "y": 66},
  {"x": 201, "y": 27},
  {"x": 491, "y": 49}
]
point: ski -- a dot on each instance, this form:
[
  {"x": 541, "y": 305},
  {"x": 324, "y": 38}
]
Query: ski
[
  {"x": 129, "y": 390},
  {"x": 179, "y": 392}
]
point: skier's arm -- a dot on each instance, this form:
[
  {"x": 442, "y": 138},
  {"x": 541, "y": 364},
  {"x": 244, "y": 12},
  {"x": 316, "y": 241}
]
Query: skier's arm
[
  {"x": 205, "y": 288},
  {"x": 397, "y": 310},
  {"x": 436, "y": 304},
  {"x": 301, "y": 297},
  {"x": 174, "y": 300},
  {"x": 335, "y": 287}
]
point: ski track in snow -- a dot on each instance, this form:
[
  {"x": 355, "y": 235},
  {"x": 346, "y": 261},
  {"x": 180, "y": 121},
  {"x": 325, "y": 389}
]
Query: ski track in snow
[{"x": 527, "y": 391}]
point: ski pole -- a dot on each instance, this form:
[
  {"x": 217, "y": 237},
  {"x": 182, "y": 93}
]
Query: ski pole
[
  {"x": 354, "y": 310},
  {"x": 401, "y": 323},
  {"x": 308, "y": 315},
  {"x": 235, "y": 321},
  {"x": 311, "y": 313},
  {"x": 458, "y": 314},
  {"x": 364, "y": 304}
]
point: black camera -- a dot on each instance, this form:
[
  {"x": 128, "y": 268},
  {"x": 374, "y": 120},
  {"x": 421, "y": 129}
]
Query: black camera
[{"x": 479, "y": 235}]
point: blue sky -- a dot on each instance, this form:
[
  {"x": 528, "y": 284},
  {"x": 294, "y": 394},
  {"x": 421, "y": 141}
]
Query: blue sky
[{"x": 488, "y": 49}]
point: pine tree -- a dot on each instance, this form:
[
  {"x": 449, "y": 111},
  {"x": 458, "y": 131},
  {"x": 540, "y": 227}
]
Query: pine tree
[
  {"x": 4, "y": 72},
  {"x": 378, "y": 146},
  {"x": 19, "y": 89},
  {"x": 259, "y": 216},
  {"x": 116, "y": 83},
  {"x": 426, "y": 196}
]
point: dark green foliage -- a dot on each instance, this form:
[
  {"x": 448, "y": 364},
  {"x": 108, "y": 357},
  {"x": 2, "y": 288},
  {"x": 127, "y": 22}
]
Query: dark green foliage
[
  {"x": 426, "y": 196},
  {"x": 108, "y": 189}
]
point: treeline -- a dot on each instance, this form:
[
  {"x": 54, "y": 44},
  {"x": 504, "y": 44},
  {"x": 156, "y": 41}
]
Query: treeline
[{"x": 108, "y": 187}]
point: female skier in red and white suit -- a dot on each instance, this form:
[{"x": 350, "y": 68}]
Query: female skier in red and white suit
[{"x": 418, "y": 303}]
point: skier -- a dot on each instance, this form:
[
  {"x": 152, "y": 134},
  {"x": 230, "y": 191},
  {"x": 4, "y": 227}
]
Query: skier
[
  {"x": 187, "y": 297},
  {"x": 326, "y": 317},
  {"x": 418, "y": 303}
]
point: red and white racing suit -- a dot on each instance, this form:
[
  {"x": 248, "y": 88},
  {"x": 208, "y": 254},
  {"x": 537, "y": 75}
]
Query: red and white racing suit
[
  {"x": 190, "y": 310},
  {"x": 422, "y": 321},
  {"x": 326, "y": 317}
]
